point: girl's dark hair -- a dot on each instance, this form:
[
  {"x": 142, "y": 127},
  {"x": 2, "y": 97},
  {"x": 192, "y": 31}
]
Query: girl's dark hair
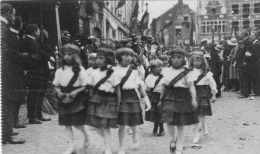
[
  {"x": 108, "y": 54},
  {"x": 123, "y": 51},
  {"x": 204, "y": 64},
  {"x": 31, "y": 28}
]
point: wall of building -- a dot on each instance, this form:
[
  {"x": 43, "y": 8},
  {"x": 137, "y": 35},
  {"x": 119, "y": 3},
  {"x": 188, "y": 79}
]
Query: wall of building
[
  {"x": 106, "y": 21},
  {"x": 211, "y": 16},
  {"x": 246, "y": 14},
  {"x": 173, "y": 27}
]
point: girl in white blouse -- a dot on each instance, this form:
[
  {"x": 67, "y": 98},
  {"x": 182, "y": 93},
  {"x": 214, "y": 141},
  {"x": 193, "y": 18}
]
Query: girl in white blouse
[
  {"x": 154, "y": 84},
  {"x": 92, "y": 63},
  {"x": 102, "y": 107},
  {"x": 206, "y": 89},
  {"x": 178, "y": 99},
  {"x": 130, "y": 112},
  {"x": 70, "y": 94}
]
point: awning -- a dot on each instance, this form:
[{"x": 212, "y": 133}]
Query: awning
[{"x": 112, "y": 23}]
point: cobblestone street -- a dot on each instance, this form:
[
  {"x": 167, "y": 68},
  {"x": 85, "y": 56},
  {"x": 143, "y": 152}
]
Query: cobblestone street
[{"x": 234, "y": 129}]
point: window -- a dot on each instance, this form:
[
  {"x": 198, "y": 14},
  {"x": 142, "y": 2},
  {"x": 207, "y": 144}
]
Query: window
[
  {"x": 213, "y": 10},
  {"x": 206, "y": 27},
  {"x": 203, "y": 27},
  {"x": 178, "y": 32},
  {"x": 246, "y": 24},
  {"x": 257, "y": 23},
  {"x": 246, "y": 10},
  {"x": 235, "y": 25},
  {"x": 186, "y": 18},
  {"x": 257, "y": 8},
  {"x": 235, "y": 9},
  {"x": 223, "y": 26}
]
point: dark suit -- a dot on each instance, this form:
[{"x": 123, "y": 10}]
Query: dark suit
[
  {"x": 254, "y": 68},
  {"x": 19, "y": 77},
  {"x": 244, "y": 72},
  {"x": 215, "y": 67},
  {"x": 10, "y": 82},
  {"x": 36, "y": 79}
]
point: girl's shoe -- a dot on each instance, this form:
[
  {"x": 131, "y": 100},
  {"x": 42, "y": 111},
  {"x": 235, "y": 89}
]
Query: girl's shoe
[
  {"x": 129, "y": 130},
  {"x": 197, "y": 137},
  {"x": 178, "y": 152},
  {"x": 161, "y": 133},
  {"x": 155, "y": 130},
  {"x": 173, "y": 146},
  {"x": 71, "y": 150}
]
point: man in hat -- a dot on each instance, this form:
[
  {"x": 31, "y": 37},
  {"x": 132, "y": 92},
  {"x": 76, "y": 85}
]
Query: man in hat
[
  {"x": 227, "y": 50},
  {"x": 242, "y": 57},
  {"x": 36, "y": 74},
  {"x": 215, "y": 64}
]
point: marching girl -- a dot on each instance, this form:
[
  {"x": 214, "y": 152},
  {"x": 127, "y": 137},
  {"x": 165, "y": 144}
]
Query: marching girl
[
  {"x": 154, "y": 85},
  {"x": 165, "y": 61},
  {"x": 130, "y": 112},
  {"x": 70, "y": 81},
  {"x": 102, "y": 106},
  {"x": 205, "y": 87},
  {"x": 92, "y": 63},
  {"x": 178, "y": 99}
]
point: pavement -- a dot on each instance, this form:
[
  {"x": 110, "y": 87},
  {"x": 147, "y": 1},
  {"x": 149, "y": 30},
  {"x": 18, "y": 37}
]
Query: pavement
[{"x": 234, "y": 128}]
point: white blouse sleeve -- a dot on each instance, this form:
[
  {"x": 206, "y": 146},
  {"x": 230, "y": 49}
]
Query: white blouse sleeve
[
  {"x": 148, "y": 83},
  {"x": 211, "y": 82},
  {"x": 191, "y": 77},
  {"x": 56, "y": 81}
]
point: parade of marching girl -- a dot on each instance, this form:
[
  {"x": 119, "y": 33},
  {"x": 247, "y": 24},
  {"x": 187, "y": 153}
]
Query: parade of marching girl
[{"x": 130, "y": 77}]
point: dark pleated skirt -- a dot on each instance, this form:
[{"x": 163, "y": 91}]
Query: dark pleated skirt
[
  {"x": 155, "y": 113},
  {"x": 203, "y": 100},
  {"x": 73, "y": 113},
  {"x": 77, "y": 105},
  {"x": 130, "y": 111},
  {"x": 72, "y": 119},
  {"x": 102, "y": 110},
  {"x": 177, "y": 108}
]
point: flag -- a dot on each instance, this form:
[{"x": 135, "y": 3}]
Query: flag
[
  {"x": 144, "y": 21},
  {"x": 120, "y": 4},
  {"x": 135, "y": 12}
]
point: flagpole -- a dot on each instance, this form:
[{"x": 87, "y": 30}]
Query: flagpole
[{"x": 58, "y": 26}]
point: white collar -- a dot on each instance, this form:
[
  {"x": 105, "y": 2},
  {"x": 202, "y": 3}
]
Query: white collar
[
  {"x": 245, "y": 38},
  {"x": 31, "y": 37},
  {"x": 255, "y": 41},
  {"x": 14, "y": 30},
  {"x": 4, "y": 20}
]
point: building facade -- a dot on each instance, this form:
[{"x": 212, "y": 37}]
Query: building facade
[
  {"x": 243, "y": 14},
  {"x": 211, "y": 20},
  {"x": 174, "y": 26},
  {"x": 103, "y": 20}
]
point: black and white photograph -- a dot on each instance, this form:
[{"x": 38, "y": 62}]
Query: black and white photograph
[{"x": 130, "y": 76}]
